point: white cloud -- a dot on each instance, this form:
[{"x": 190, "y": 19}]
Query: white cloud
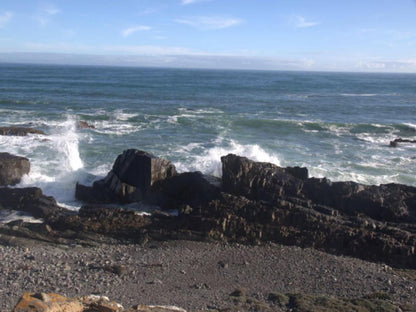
[
  {"x": 186, "y": 2},
  {"x": 5, "y": 18},
  {"x": 131, "y": 30},
  {"x": 300, "y": 22},
  {"x": 210, "y": 22}
]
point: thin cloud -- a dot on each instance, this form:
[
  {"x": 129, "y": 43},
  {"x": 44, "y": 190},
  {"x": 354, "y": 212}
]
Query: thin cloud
[
  {"x": 148, "y": 11},
  {"x": 131, "y": 30},
  {"x": 210, "y": 22},
  {"x": 300, "y": 22},
  {"x": 186, "y": 2},
  {"x": 45, "y": 13},
  {"x": 5, "y": 18}
]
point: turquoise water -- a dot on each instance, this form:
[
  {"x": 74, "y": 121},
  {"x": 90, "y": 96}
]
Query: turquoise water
[{"x": 337, "y": 124}]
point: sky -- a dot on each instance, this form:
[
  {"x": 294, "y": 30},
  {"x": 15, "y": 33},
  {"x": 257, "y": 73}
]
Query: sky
[{"x": 354, "y": 35}]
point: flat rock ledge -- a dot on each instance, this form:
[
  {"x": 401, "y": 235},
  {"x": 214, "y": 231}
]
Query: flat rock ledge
[{"x": 42, "y": 302}]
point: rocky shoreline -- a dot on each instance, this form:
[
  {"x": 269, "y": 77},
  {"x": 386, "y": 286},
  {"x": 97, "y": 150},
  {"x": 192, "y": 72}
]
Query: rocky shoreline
[{"x": 253, "y": 203}]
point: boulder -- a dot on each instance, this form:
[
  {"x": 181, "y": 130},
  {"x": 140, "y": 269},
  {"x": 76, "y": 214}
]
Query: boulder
[
  {"x": 19, "y": 131},
  {"x": 12, "y": 168},
  {"x": 130, "y": 180},
  {"x": 30, "y": 200},
  {"x": 260, "y": 181},
  {"x": 42, "y": 302}
]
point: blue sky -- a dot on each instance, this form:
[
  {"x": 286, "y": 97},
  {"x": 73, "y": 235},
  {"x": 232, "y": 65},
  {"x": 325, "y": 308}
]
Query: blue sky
[{"x": 353, "y": 35}]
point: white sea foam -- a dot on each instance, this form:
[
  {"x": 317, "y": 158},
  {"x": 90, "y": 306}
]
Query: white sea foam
[
  {"x": 209, "y": 161},
  {"x": 410, "y": 125},
  {"x": 13, "y": 215},
  {"x": 359, "y": 94},
  {"x": 120, "y": 114},
  {"x": 56, "y": 164}
]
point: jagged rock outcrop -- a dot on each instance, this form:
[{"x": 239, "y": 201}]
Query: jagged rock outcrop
[
  {"x": 130, "y": 180},
  {"x": 19, "y": 131},
  {"x": 31, "y": 200},
  {"x": 12, "y": 168},
  {"x": 267, "y": 182},
  {"x": 260, "y": 181},
  {"x": 254, "y": 203},
  {"x": 42, "y": 302}
]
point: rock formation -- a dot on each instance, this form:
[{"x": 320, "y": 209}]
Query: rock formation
[
  {"x": 253, "y": 203},
  {"x": 30, "y": 200},
  {"x": 130, "y": 180},
  {"x": 12, "y": 168},
  {"x": 19, "y": 131}
]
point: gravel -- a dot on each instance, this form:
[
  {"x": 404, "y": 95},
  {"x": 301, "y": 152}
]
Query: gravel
[{"x": 192, "y": 275}]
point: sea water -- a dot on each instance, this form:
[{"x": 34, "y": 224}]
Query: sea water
[{"x": 338, "y": 125}]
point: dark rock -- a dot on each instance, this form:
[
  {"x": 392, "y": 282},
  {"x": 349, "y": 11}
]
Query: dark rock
[
  {"x": 84, "y": 125},
  {"x": 267, "y": 182},
  {"x": 396, "y": 142},
  {"x": 19, "y": 131},
  {"x": 130, "y": 180},
  {"x": 237, "y": 218},
  {"x": 186, "y": 190},
  {"x": 260, "y": 181},
  {"x": 12, "y": 168},
  {"x": 30, "y": 200},
  {"x": 390, "y": 202}
]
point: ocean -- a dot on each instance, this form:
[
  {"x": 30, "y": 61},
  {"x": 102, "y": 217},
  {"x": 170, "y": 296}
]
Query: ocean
[{"x": 338, "y": 125}]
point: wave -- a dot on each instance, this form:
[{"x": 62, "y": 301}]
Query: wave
[
  {"x": 360, "y": 94},
  {"x": 208, "y": 160}
]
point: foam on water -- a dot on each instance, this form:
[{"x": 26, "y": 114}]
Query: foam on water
[
  {"x": 56, "y": 164},
  {"x": 209, "y": 160}
]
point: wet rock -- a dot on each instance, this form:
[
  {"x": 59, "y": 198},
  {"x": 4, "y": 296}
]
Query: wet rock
[
  {"x": 19, "y": 131},
  {"x": 396, "y": 142},
  {"x": 130, "y": 180},
  {"x": 12, "y": 168},
  {"x": 84, "y": 125},
  {"x": 31, "y": 200}
]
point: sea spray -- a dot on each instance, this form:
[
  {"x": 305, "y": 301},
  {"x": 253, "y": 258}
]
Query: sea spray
[
  {"x": 58, "y": 166},
  {"x": 209, "y": 161}
]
